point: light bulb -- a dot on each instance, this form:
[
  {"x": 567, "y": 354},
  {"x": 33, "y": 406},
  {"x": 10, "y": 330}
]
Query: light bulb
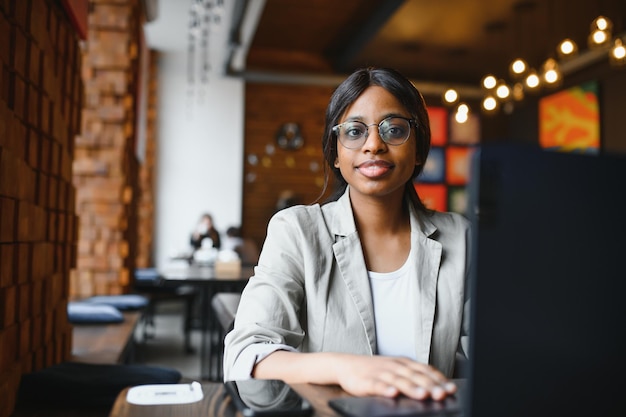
[
  {"x": 489, "y": 82},
  {"x": 518, "y": 67},
  {"x": 618, "y": 53},
  {"x": 450, "y": 96},
  {"x": 503, "y": 91},
  {"x": 599, "y": 37},
  {"x": 461, "y": 117},
  {"x": 462, "y": 108},
  {"x": 490, "y": 103},
  {"x": 567, "y": 48},
  {"x": 602, "y": 23},
  {"x": 532, "y": 81},
  {"x": 551, "y": 71}
]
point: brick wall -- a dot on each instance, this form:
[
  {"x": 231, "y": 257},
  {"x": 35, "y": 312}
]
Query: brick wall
[
  {"x": 105, "y": 165},
  {"x": 147, "y": 172},
  {"x": 40, "y": 110}
]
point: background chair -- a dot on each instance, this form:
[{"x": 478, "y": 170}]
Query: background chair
[{"x": 148, "y": 283}]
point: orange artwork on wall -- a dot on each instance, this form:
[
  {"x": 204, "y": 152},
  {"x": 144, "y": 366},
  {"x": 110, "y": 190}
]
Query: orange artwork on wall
[
  {"x": 458, "y": 164},
  {"x": 569, "y": 120},
  {"x": 438, "y": 117},
  {"x": 434, "y": 196}
]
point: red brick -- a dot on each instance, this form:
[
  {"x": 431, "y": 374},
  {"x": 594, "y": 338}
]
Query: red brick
[
  {"x": 34, "y": 66},
  {"x": 19, "y": 96},
  {"x": 8, "y": 220},
  {"x": 41, "y": 189},
  {"x": 20, "y": 53},
  {"x": 23, "y": 262},
  {"x": 44, "y": 122},
  {"x": 37, "y": 299},
  {"x": 8, "y": 306},
  {"x": 22, "y": 14},
  {"x": 6, "y": 265},
  {"x": 6, "y": 40},
  {"x": 24, "y": 298},
  {"x": 37, "y": 331},
  {"x": 34, "y": 147},
  {"x": 8, "y": 344},
  {"x": 24, "y": 221},
  {"x": 33, "y": 106},
  {"x": 25, "y": 338}
]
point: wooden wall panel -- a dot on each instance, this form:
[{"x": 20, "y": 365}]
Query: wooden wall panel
[{"x": 270, "y": 170}]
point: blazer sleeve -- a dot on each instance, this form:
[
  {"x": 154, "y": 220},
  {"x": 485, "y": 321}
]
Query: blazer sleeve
[{"x": 271, "y": 304}]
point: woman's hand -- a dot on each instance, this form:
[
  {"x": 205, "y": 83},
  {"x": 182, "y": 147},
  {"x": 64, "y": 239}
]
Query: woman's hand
[
  {"x": 359, "y": 375},
  {"x": 390, "y": 376}
]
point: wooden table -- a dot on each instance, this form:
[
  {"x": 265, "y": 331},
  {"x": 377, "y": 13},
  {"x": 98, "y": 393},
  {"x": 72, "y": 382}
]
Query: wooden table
[
  {"x": 217, "y": 403},
  {"x": 210, "y": 282},
  {"x": 105, "y": 343}
]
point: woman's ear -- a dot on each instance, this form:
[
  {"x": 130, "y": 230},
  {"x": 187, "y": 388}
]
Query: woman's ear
[{"x": 336, "y": 164}]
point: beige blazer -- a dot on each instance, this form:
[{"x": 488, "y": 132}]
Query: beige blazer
[{"x": 311, "y": 290}]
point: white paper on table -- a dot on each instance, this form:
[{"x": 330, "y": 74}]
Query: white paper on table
[{"x": 165, "y": 394}]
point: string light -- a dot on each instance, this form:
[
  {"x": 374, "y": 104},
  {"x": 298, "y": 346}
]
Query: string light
[
  {"x": 600, "y": 36},
  {"x": 567, "y": 48},
  {"x": 532, "y": 80},
  {"x": 551, "y": 71},
  {"x": 518, "y": 67},
  {"x": 489, "y": 82},
  {"x": 601, "y": 32},
  {"x": 450, "y": 96},
  {"x": 617, "y": 56},
  {"x": 490, "y": 103},
  {"x": 462, "y": 113},
  {"x": 502, "y": 90}
]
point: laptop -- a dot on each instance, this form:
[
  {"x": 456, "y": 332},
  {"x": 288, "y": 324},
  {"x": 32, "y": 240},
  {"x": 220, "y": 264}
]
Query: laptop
[
  {"x": 548, "y": 325},
  {"x": 548, "y": 283}
]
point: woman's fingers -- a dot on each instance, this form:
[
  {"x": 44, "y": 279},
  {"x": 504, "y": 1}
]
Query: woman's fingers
[
  {"x": 416, "y": 380},
  {"x": 389, "y": 377}
]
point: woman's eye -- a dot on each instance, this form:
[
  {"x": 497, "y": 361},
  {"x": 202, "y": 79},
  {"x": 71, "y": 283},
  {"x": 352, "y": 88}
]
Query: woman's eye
[
  {"x": 354, "y": 131},
  {"x": 395, "y": 131}
]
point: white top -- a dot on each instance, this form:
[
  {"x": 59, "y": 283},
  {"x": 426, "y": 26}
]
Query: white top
[{"x": 394, "y": 311}]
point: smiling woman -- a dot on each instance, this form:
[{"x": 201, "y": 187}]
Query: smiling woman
[{"x": 356, "y": 291}]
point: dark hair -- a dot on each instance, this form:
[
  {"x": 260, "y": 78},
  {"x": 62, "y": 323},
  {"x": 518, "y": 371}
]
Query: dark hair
[{"x": 347, "y": 93}]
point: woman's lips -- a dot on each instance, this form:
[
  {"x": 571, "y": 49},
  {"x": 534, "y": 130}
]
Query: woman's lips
[{"x": 372, "y": 169}]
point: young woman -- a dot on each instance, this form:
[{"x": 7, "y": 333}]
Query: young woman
[{"x": 366, "y": 291}]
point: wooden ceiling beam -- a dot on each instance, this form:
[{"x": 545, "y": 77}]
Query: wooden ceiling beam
[{"x": 343, "y": 55}]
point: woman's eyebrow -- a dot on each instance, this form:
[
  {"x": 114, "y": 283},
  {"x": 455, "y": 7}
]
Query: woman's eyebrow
[{"x": 360, "y": 118}]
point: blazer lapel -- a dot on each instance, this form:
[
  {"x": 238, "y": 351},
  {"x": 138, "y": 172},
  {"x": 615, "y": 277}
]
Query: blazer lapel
[
  {"x": 428, "y": 258},
  {"x": 349, "y": 255}
]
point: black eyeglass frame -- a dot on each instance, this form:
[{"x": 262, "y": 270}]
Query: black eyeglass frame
[{"x": 336, "y": 128}]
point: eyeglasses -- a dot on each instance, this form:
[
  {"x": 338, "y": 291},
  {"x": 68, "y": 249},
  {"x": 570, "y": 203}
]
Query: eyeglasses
[{"x": 392, "y": 130}]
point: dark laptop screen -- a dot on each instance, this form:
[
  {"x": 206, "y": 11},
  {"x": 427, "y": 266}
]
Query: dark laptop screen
[{"x": 548, "y": 283}]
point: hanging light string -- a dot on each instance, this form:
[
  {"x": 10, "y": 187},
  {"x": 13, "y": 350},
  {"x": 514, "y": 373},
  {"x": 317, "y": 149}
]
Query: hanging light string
[
  {"x": 203, "y": 15},
  {"x": 602, "y": 44}
]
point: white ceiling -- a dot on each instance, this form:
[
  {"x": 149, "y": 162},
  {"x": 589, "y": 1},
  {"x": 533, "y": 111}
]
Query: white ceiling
[{"x": 169, "y": 32}]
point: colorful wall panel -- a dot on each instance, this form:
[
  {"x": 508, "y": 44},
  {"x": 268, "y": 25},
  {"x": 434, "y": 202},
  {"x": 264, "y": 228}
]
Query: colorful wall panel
[
  {"x": 569, "y": 120},
  {"x": 442, "y": 184}
]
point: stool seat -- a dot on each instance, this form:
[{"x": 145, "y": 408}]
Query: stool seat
[{"x": 225, "y": 306}]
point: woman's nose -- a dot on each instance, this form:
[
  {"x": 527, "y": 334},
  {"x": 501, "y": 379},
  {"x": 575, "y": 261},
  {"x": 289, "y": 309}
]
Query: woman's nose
[{"x": 373, "y": 142}]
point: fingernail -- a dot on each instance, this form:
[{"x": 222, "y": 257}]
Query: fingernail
[
  {"x": 420, "y": 392},
  {"x": 437, "y": 392},
  {"x": 449, "y": 386}
]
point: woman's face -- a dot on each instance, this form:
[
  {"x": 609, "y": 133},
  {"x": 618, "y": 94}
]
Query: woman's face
[{"x": 376, "y": 169}]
